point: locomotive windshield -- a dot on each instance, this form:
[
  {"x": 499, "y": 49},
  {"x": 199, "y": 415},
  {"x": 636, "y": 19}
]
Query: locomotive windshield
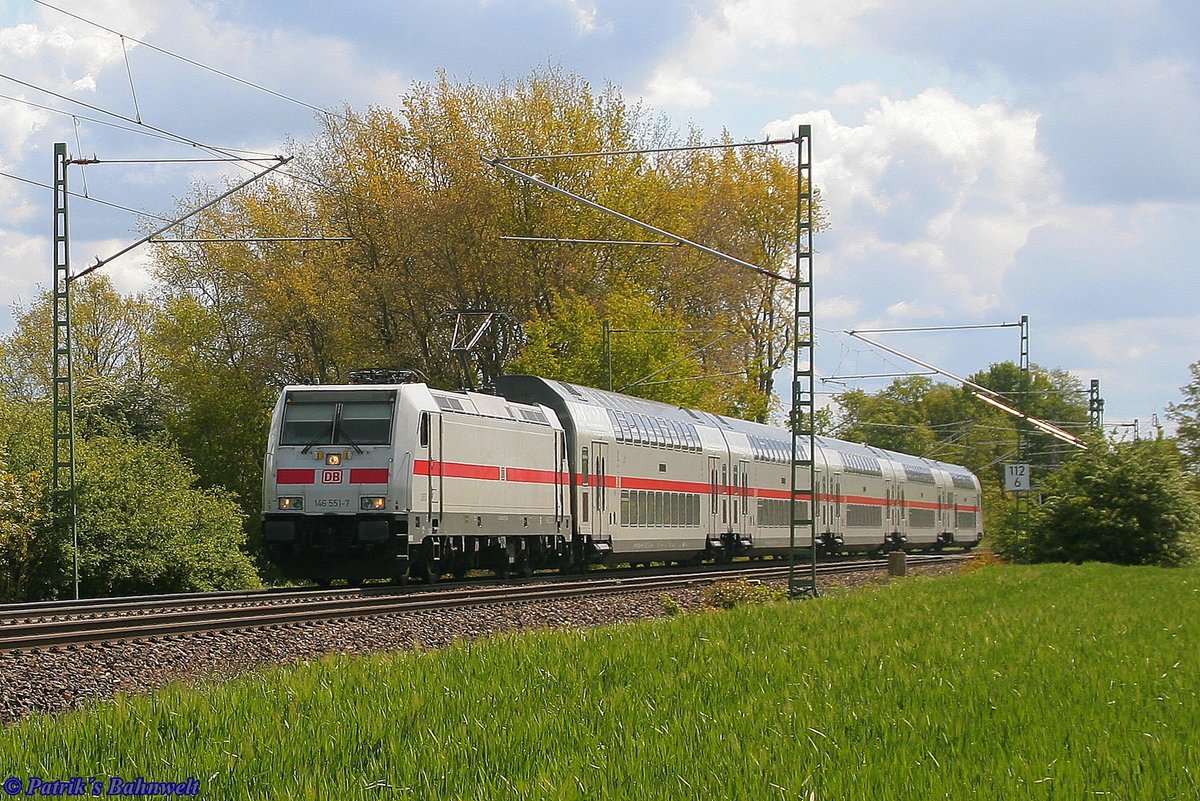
[{"x": 320, "y": 417}]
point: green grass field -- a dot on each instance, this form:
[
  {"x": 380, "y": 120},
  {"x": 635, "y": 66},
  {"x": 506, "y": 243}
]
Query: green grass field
[{"x": 1051, "y": 682}]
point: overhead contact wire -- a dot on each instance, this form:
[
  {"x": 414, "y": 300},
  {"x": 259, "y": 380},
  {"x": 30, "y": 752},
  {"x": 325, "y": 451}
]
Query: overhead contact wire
[{"x": 190, "y": 61}]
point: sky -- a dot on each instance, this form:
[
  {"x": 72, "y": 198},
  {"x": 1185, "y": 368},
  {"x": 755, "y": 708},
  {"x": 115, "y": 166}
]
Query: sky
[{"x": 978, "y": 161}]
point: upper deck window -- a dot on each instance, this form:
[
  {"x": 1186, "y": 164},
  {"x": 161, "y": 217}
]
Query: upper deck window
[{"x": 320, "y": 417}]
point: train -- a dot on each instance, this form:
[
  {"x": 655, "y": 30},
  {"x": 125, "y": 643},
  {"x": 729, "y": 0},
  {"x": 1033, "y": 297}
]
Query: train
[{"x": 392, "y": 479}]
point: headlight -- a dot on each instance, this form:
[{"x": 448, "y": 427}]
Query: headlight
[
  {"x": 291, "y": 504},
  {"x": 372, "y": 503}
]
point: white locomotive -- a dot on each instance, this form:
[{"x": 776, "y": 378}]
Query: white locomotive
[{"x": 391, "y": 480}]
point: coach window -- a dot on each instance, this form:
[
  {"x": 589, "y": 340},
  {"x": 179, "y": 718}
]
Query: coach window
[
  {"x": 736, "y": 483},
  {"x": 586, "y": 466},
  {"x": 725, "y": 493},
  {"x": 424, "y": 429}
]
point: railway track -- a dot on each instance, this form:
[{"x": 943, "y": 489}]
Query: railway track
[{"x": 30, "y": 626}]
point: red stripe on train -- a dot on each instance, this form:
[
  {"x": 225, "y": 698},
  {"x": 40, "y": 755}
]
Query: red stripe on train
[
  {"x": 528, "y": 476},
  {"x": 295, "y": 476},
  {"x": 635, "y": 483},
  {"x": 366, "y": 475},
  {"x": 485, "y": 472}
]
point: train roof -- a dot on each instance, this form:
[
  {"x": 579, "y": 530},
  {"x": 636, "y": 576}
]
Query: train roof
[
  {"x": 523, "y": 386},
  {"x": 773, "y": 441}
]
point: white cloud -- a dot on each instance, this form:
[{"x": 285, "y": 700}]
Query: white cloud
[
  {"x": 1130, "y": 355},
  {"x": 732, "y": 31},
  {"x": 670, "y": 89},
  {"x": 63, "y": 53},
  {"x": 760, "y": 24},
  {"x": 22, "y": 263},
  {"x": 586, "y": 15},
  {"x": 18, "y": 123},
  {"x": 837, "y": 308},
  {"x": 929, "y": 200},
  {"x": 1123, "y": 262},
  {"x": 858, "y": 94},
  {"x": 1128, "y": 133},
  {"x": 129, "y": 274}
]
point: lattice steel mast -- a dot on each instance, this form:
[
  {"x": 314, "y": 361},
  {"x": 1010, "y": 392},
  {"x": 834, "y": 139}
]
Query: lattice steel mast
[
  {"x": 62, "y": 394},
  {"x": 803, "y": 419}
]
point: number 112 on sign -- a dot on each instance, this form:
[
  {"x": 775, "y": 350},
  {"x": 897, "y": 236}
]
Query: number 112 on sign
[{"x": 1016, "y": 477}]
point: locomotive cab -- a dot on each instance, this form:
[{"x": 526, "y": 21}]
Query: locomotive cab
[{"x": 333, "y": 508}]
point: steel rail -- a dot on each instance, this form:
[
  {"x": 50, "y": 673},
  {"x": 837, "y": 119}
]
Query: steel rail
[
  {"x": 119, "y": 603},
  {"x": 11, "y": 613},
  {"x": 52, "y": 633},
  {"x": 15, "y": 613},
  {"x": 95, "y": 611}
]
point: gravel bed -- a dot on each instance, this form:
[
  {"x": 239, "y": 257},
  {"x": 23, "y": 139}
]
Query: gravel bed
[{"x": 54, "y": 680}]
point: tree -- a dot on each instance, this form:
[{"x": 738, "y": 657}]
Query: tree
[
  {"x": 652, "y": 352},
  {"x": 427, "y": 218},
  {"x": 1187, "y": 415},
  {"x": 32, "y": 554},
  {"x": 26, "y": 546},
  {"x": 1130, "y": 503},
  {"x": 220, "y": 397},
  {"x": 145, "y": 527},
  {"x": 113, "y": 377}
]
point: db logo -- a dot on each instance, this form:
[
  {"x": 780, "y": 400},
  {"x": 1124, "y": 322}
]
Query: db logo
[{"x": 331, "y": 476}]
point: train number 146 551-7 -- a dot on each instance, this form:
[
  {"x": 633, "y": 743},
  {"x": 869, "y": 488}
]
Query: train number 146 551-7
[{"x": 332, "y": 503}]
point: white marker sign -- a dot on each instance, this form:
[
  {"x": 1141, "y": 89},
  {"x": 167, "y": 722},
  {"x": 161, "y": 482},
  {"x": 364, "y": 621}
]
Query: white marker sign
[{"x": 1016, "y": 477}]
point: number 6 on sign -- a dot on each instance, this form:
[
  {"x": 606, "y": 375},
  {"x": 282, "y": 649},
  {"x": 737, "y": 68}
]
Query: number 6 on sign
[{"x": 1016, "y": 477}]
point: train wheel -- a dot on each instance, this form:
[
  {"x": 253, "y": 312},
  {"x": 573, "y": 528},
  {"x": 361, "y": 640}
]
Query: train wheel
[
  {"x": 400, "y": 580},
  {"x": 424, "y": 571}
]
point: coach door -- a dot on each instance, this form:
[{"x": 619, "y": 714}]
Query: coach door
[
  {"x": 714, "y": 496},
  {"x": 839, "y": 504},
  {"x": 599, "y": 490},
  {"x": 560, "y": 478},
  {"x": 741, "y": 481},
  {"x": 431, "y": 433},
  {"x": 889, "y": 507}
]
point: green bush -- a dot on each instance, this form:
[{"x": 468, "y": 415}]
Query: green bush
[
  {"x": 1130, "y": 504},
  {"x": 145, "y": 527}
]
